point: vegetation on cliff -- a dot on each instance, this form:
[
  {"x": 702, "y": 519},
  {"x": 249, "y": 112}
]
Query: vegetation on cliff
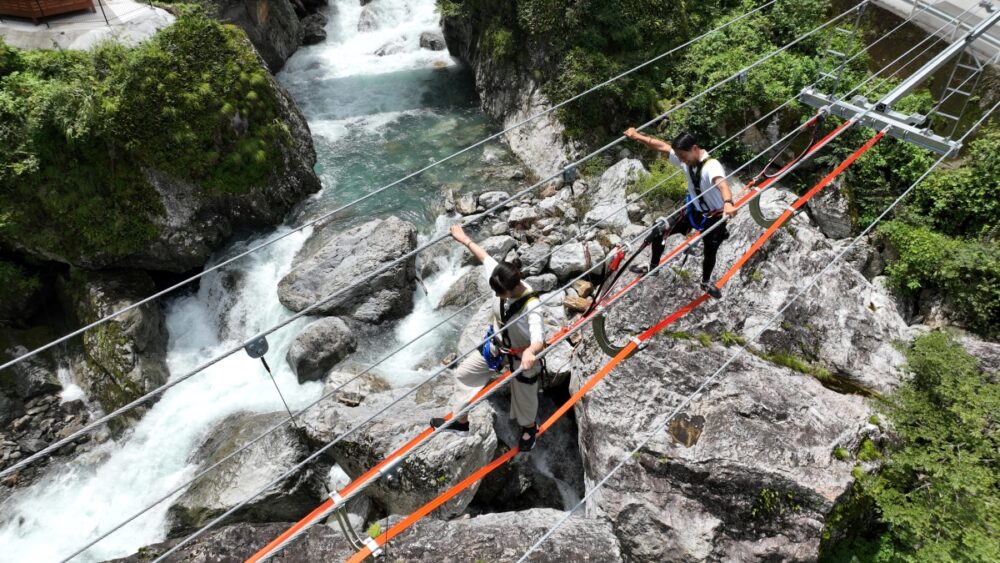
[
  {"x": 81, "y": 130},
  {"x": 935, "y": 495}
]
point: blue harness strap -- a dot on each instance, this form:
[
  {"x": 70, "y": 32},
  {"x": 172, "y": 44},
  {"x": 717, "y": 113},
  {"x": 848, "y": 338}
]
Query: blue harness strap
[
  {"x": 494, "y": 358},
  {"x": 692, "y": 211}
]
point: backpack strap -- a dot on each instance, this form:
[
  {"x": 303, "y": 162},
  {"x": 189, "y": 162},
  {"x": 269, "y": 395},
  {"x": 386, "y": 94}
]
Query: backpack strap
[
  {"x": 695, "y": 175},
  {"x": 506, "y": 314}
]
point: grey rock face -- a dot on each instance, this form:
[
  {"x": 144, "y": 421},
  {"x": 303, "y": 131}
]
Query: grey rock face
[
  {"x": 493, "y": 537},
  {"x": 569, "y": 260},
  {"x": 470, "y": 287},
  {"x": 498, "y": 247},
  {"x": 608, "y": 201},
  {"x": 247, "y": 473},
  {"x": 313, "y": 29},
  {"x": 319, "y": 347},
  {"x": 31, "y": 377},
  {"x": 432, "y": 40},
  {"x": 748, "y": 465},
  {"x": 829, "y": 209},
  {"x": 271, "y": 25},
  {"x": 428, "y": 471},
  {"x": 510, "y": 94},
  {"x": 746, "y": 471},
  {"x": 126, "y": 357},
  {"x": 330, "y": 262}
]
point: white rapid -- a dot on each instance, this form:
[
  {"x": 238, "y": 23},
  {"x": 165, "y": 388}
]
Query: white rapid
[
  {"x": 374, "y": 118},
  {"x": 82, "y": 500}
]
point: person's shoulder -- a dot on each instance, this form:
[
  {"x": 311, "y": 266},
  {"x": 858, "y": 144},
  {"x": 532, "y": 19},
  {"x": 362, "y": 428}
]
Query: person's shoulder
[{"x": 714, "y": 168}]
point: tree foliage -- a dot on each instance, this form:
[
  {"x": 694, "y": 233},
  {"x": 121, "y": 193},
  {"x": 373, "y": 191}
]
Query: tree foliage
[
  {"x": 82, "y": 130},
  {"x": 936, "y": 494}
]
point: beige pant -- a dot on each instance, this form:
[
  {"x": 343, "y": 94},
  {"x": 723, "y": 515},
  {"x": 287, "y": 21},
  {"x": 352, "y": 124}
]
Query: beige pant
[{"x": 473, "y": 373}]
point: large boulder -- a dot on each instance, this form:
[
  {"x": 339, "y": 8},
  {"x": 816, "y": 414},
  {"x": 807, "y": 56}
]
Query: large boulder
[
  {"x": 30, "y": 377},
  {"x": 319, "y": 347},
  {"x": 568, "y": 260},
  {"x": 429, "y": 470},
  {"x": 195, "y": 223},
  {"x": 490, "y": 537},
  {"x": 331, "y": 262},
  {"x": 471, "y": 286},
  {"x": 432, "y": 40},
  {"x": 125, "y": 357},
  {"x": 271, "y": 25},
  {"x": 498, "y": 247},
  {"x": 746, "y": 471},
  {"x": 313, "y": 29},
  {"x": 608, "y": 201},
  {"x": 246, "y": 473},
  {"x": 534, "y": 258}
]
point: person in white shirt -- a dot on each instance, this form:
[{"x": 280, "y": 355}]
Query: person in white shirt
[
  {"x": 709, "y": 201},
  {"x": 516, "y": 347}
]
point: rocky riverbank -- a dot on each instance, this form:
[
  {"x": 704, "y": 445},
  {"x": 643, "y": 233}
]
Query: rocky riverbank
[{"x": 751, "y": 470}]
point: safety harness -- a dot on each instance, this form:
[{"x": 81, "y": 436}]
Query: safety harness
[
  {"x": 697, "y": 211},
  {"x": 497, "y": 349}
]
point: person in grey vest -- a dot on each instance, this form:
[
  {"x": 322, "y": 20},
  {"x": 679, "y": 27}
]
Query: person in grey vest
[
  {"x": 517, "y": 308},
  {"x": 709, "y": 200}
]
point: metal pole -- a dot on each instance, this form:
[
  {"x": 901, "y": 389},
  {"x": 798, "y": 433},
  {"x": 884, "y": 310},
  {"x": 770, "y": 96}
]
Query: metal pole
[
  {"x": 41, "y": 12},
  {"x": 101, "y": 4},
  {"x": 934, "y": 64}
]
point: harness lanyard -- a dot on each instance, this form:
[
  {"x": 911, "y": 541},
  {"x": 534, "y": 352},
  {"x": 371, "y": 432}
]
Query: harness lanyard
[{"x": 505, "y": 315}]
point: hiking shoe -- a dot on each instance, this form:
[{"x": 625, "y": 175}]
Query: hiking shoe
[
  {"x": 641, "y": 270},
  {"x": 527, "y": 439},
  {"x": 455, "y": 426},
  {"x": 710, "y": 289}
]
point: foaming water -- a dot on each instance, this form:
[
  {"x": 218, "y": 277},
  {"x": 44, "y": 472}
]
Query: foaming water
[{"x": 96, "y": 491}]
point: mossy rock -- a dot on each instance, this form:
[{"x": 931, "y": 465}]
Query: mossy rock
[{"x": 147, "y": 156}]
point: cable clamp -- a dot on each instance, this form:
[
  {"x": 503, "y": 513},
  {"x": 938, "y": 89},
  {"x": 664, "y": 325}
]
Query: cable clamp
[
  {"x": 639, "y": 344},
  {"x": 373, "y": 546},
  {"x": 336, "y": 498},
  {"x": 791, "y": 208}
]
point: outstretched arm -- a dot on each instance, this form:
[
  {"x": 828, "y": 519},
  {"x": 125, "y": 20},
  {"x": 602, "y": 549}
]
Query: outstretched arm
[
  {"x": 649, "y": 141},
  {"x": 458, "y": 233}
]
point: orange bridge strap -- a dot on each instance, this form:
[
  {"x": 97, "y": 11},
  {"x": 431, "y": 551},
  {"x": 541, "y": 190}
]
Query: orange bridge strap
[
  {"x": 355, "y": 484},
  {"x": 426, "y": 509}
]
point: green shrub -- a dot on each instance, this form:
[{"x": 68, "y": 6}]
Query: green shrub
[
  {"x": 939, "y": 489},
  {"x": 841, "y": 453},
  {"x": 868, "y": 451},
  {"x": 962, "y": 202},
  {"x": 81, "y": 128},
  {"x": 966, "y": 272},
  {"x": 16, "y": 286},
  {"x": 936, "y": 493},
  {"x": 731, "y": 338},
  {"x": 665, "y": 183}
]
